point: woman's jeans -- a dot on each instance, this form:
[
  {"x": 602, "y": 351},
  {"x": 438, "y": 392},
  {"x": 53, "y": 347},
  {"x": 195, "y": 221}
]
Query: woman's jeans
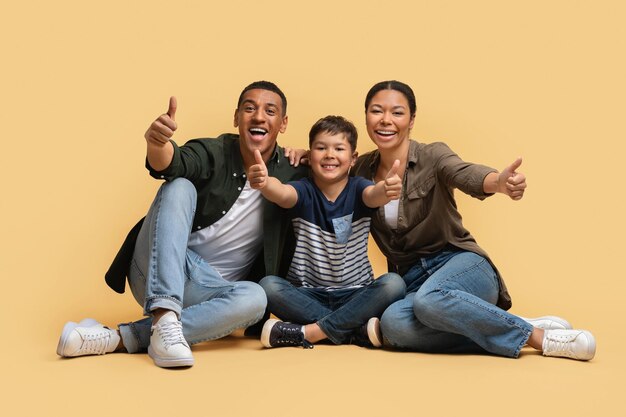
[
  {"x": 339, "y": 313},
  {"x": 450, "y": 307},
  {"x": 164, "y": 273}
]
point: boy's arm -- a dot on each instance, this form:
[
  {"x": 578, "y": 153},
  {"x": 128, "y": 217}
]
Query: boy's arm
[
  {"x": 275, "y": 191},
  {"x": 384, "y": 191}
]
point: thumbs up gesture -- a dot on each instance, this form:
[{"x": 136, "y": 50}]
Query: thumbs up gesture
[
  {"x": 257, "y": 173},
  {"x": 393, "y": 182},
  {"x": 511, "y": 182},
  {"x": 162, "y": 129}
]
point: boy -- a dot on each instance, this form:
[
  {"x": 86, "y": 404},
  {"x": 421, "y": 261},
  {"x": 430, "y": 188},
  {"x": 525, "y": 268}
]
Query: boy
[{"x": 329, "y": 292}]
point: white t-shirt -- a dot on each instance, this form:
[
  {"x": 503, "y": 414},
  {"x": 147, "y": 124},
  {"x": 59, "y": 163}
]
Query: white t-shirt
[
  {"x": 391, "y": 213},
  {"x": 231, "y": 244}
]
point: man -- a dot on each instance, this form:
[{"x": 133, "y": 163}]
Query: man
[{"x": 206, "y": 231}]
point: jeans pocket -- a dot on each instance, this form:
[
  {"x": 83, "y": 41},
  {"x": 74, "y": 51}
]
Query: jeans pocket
[{"x": 200, "y": 272}]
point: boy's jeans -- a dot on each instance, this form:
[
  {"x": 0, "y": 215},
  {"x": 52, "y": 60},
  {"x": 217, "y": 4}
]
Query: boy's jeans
[
  {"x": 450, "y": 307},
  {"x": 165, "y": 274},
  {"x": 339, "y": 313}
]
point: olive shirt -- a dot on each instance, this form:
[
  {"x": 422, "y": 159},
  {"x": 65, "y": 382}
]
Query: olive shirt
[
  {"x": 428, "y": 219},
  {"x": 216, "y": 169}
]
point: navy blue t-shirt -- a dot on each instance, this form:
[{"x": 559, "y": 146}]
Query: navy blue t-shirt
[{"x": 331, "y": 237}]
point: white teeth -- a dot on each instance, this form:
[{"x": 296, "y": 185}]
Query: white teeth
[
  {"x": 385, "y": 132},
  {"x": 257, "y": 130}
]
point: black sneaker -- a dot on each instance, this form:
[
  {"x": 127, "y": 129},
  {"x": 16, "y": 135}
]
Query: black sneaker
[
  {"x": 368, "y": 335},
  {"x": 280, "y": 334}
]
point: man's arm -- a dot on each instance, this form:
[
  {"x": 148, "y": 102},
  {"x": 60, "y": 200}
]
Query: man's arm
[
  {"x": 160, "y": 150},
  {"x": 507, "y": 182},
  {"x": 384, "y": 191},
  {"x": 272, "y": 189}
]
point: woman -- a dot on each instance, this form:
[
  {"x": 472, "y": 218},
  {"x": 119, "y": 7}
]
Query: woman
[{"x": 456, "y": 299}]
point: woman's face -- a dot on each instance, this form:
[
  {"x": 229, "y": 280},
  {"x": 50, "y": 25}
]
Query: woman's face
[{"x": 388, "y": 119}]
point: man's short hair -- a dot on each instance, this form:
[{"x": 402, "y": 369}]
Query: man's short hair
[
  {"x": 265, "y": 85},
  {"x": 334, "y": 125}
]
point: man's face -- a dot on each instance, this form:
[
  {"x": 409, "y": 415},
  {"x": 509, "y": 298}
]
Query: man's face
[{"x": 260, "y": 119}]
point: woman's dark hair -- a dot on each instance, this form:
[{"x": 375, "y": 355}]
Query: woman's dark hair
[
  {"x": 393, "y": 85},
  {"x": 334, "y": 125},
  {"x": 265, "y": 85}
]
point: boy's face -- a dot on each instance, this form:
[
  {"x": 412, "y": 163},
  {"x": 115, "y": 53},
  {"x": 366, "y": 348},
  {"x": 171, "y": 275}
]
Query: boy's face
[{"x": 331, "y": 158}]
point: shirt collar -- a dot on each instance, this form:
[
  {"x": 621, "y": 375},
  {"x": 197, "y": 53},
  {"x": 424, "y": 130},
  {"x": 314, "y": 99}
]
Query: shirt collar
[{"x": 413, "y": 152}]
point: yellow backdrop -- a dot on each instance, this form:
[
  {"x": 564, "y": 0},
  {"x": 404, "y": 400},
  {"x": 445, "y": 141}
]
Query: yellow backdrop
[{"x": 81, "y": 82}]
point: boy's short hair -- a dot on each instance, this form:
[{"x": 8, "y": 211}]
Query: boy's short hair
[
  {"x": 334, "y": 125},
  {"x": 264, "y": 85}
]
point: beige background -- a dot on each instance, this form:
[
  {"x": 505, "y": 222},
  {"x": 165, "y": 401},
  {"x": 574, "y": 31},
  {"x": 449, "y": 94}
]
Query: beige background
[{"x": 81, "y": 81}]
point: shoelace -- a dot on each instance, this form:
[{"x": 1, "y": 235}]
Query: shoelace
[
  {"x": 171, "y": 333},
  {"x": 560, "y": 345},
  {"x": 292, "y": 336},
  {"x": 96, "y": 343}
]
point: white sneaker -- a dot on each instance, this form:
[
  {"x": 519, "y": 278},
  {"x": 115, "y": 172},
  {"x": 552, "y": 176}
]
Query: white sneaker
[
  {"x": 168, "y": 347},
  {"x": 86, "y": 338},
  {"x": 574, "y": 344},
  {"x": 549, "y": 323}
]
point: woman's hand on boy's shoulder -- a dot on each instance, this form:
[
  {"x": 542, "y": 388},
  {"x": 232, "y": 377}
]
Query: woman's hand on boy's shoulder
[{"x": 297, "y": 156}]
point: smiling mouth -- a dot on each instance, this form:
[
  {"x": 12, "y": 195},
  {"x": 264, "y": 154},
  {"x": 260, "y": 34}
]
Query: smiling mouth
[
  {"x": 324, "y": 166},
  {"x": 385, "y": 133},
  {"x": 257, "y": 132}
]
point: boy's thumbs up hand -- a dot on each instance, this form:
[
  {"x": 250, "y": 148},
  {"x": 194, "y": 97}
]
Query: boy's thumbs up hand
[
  {"x": 257, "y": 174},
  {"x": 393, "y": 182}
]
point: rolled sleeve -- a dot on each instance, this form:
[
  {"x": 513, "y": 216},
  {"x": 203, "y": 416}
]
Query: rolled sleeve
[{"x": 456, "y": 173}]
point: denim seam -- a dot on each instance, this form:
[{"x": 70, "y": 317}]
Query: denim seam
[
  {"x": 169, "y": 297},
  {"x": 449, "y": 293},
  {"x": 527, "y": 334},
  {"x": 153, "y": 253},
  {"x": 138, "y": 270},
  {"x": 133, "y": 331},
  {"x": 322, "y": 326}
]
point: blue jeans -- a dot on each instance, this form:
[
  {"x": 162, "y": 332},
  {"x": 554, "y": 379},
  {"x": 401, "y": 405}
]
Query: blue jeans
[
  {"x": 450, "y": 307},
  {"x": 164, "y": 273},
  {"x": 339, "y": 313}
]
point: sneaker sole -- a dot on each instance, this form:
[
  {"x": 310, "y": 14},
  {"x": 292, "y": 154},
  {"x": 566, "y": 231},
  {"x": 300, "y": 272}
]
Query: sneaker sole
[
  {"x": 265, "y": 333},
  {"x": 67, "y": 329},
  {"x": 168, "y": 362},
  {"x": 373, "y": 332}
]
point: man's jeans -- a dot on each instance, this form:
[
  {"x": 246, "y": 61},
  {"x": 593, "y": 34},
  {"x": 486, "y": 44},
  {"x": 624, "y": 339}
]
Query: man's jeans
[
  {"x": 166, "y": 274},
  {"x": 339, "y": 313},
  {"x": 450, "y": 307}
]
